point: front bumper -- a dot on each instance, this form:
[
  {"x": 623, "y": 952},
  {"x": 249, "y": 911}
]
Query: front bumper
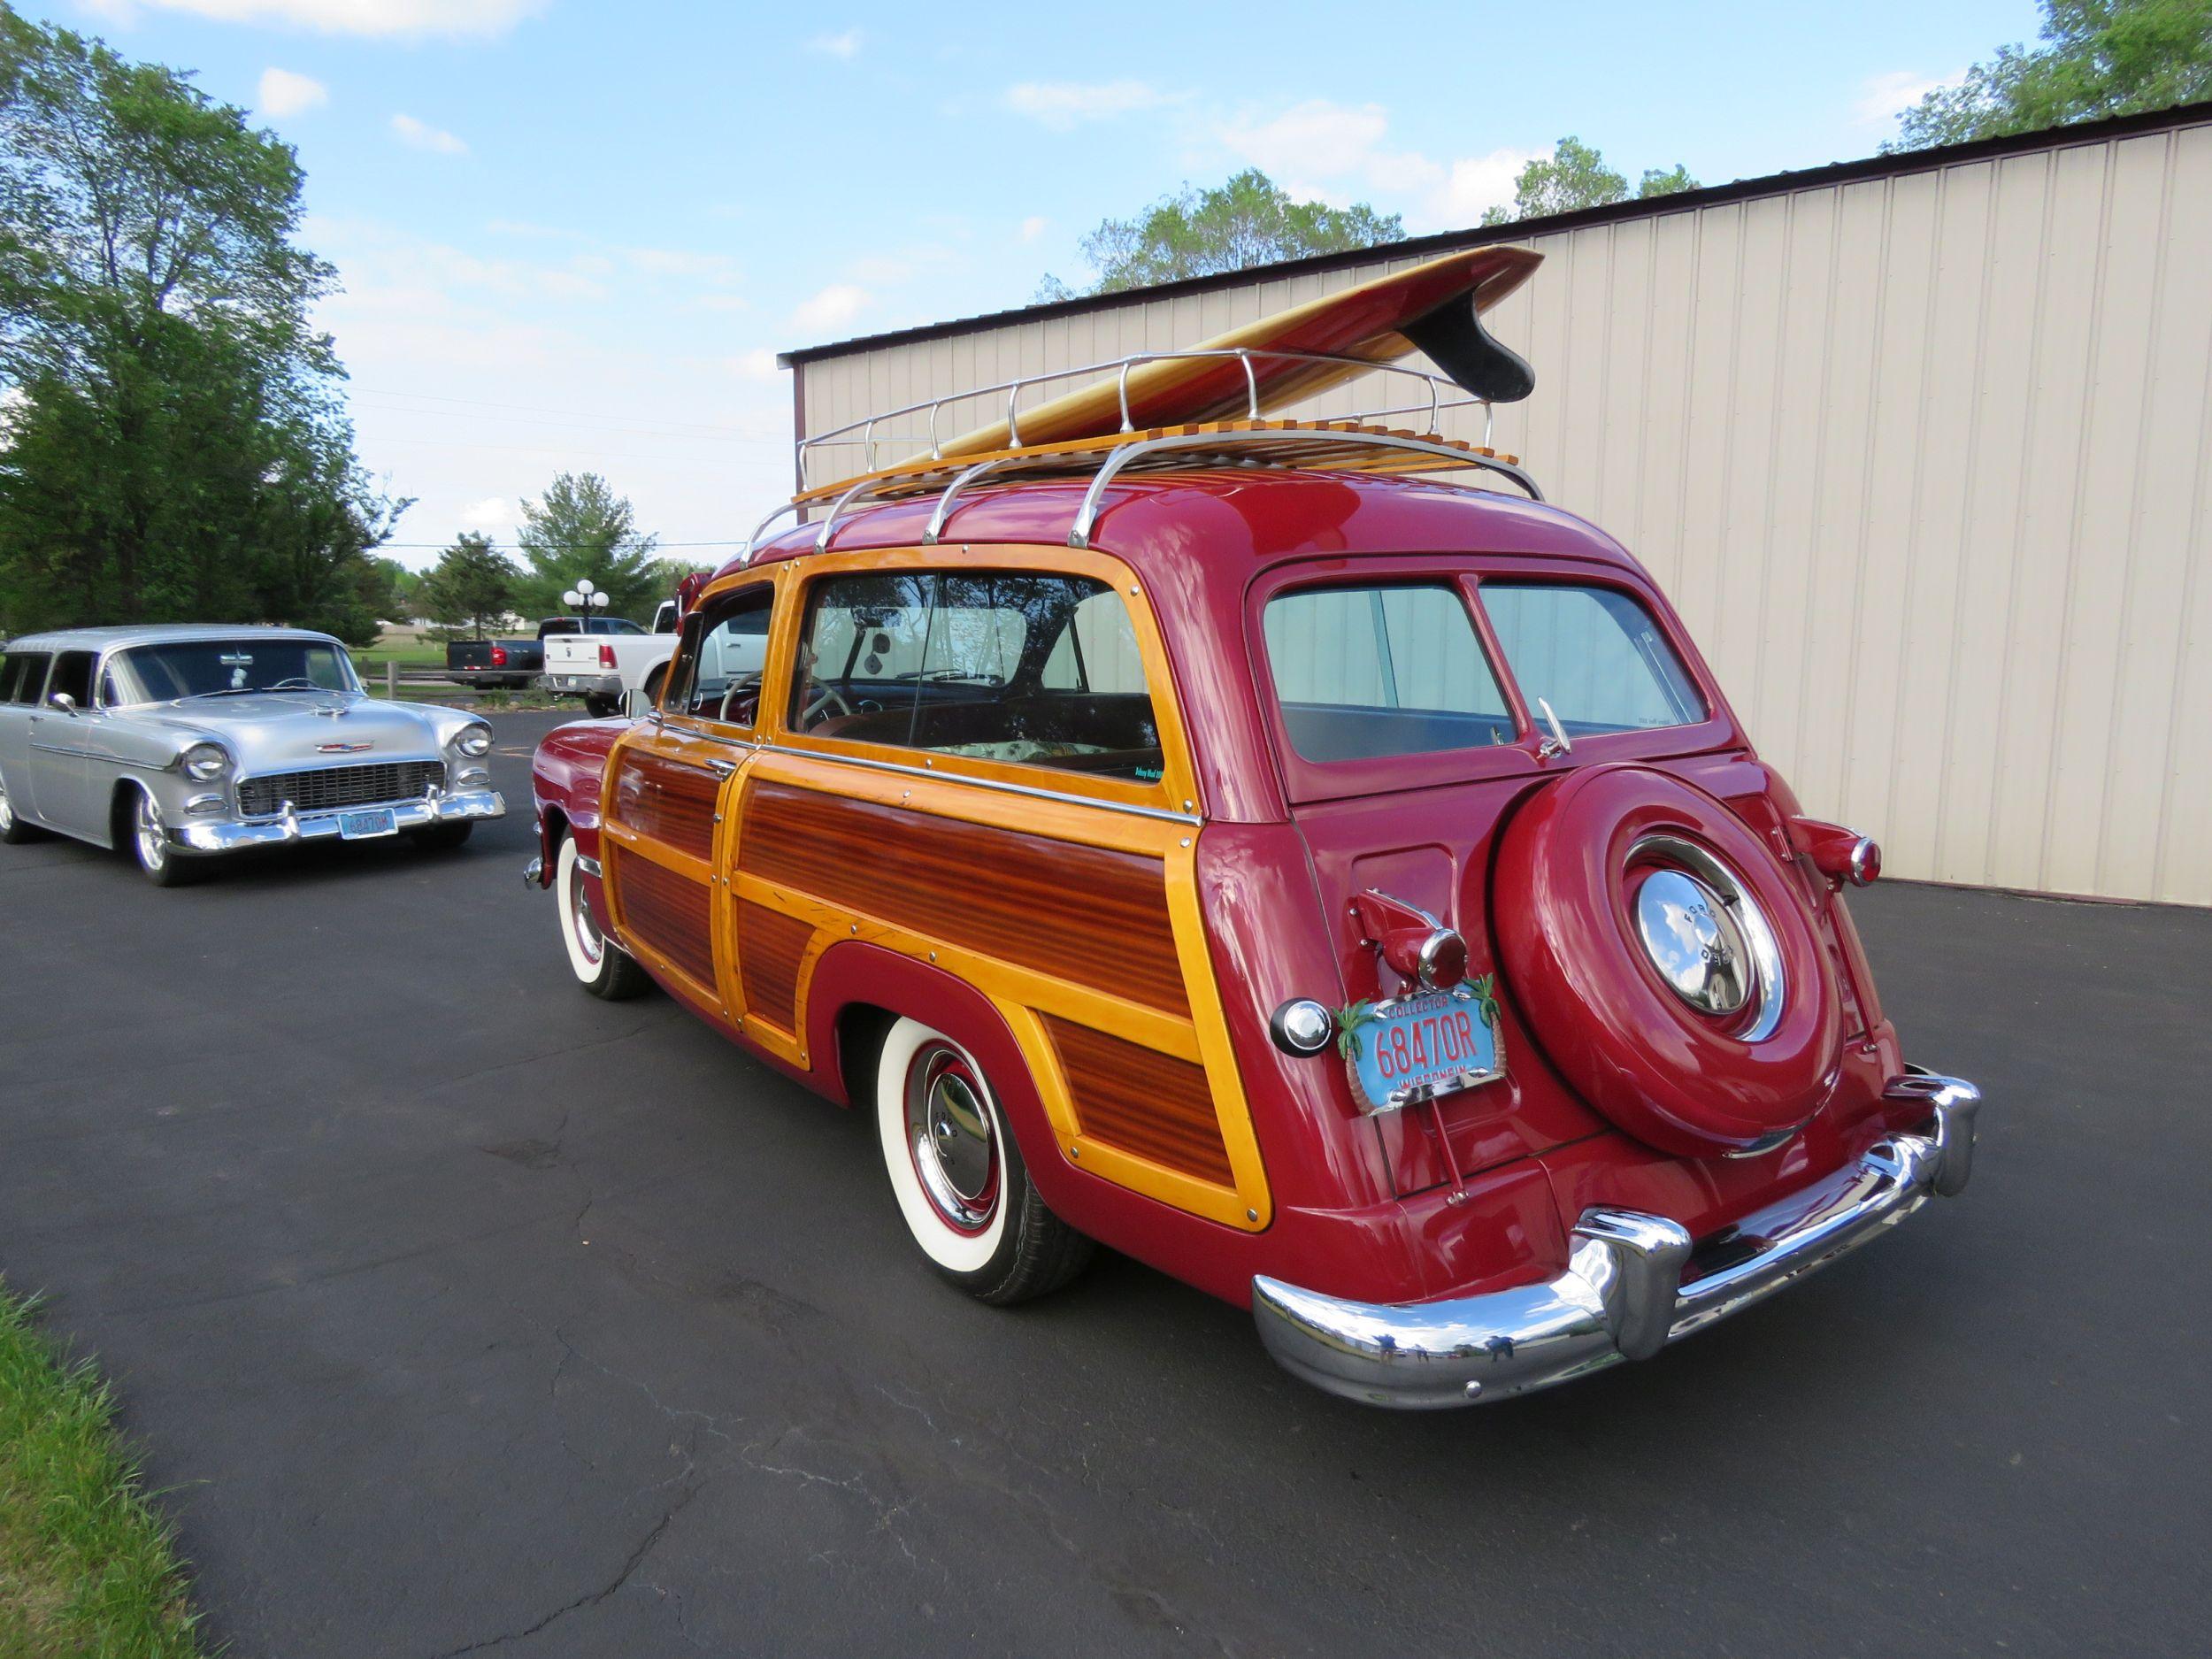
[
  {"x": 228, "y": 836},
  {"x": 1623, "y": 1295}
]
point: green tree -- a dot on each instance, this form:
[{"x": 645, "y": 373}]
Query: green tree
[
  {"x": 580, "y": 528},
  {"x": 1576, "y": 176},
  {"x": 471, "y": 587},
  {"x": 176, "y": 446},
  {"x": 1249, "y": 220},
  {"x": 2098, "y": 58}
]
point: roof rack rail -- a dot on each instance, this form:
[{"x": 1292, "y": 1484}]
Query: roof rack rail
[
  {"x": 1257, "y": 444},
  {"x": 864, "y": 435}
]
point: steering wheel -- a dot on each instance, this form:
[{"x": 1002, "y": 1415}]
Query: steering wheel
[
  {"x": 830, "y": 695},
  {"x": 296, "y": 682},
  {"x": 741, "y": 703}
]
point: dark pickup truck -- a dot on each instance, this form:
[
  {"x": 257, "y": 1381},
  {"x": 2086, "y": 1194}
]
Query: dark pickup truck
[{"x": 516, "y": 664}]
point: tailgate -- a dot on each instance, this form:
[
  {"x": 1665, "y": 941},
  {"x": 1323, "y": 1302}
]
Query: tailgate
[{"x": 572, "y": 654}]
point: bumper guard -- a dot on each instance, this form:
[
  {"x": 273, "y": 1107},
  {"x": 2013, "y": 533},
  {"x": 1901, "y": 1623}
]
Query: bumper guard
[{"x": 1623, "y": 1295}]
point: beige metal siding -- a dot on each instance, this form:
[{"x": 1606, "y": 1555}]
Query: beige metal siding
[{"x": 1922, "y": 459}]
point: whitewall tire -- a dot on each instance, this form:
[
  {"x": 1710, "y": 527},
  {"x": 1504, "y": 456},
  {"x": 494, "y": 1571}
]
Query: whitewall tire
[
  {"x": 961, "y": 1185},
  {"x": 601, "y": 966}
]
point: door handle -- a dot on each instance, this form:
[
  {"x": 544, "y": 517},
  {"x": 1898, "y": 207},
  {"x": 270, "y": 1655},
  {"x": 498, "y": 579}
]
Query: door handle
[{"x": 722, "y": 768}]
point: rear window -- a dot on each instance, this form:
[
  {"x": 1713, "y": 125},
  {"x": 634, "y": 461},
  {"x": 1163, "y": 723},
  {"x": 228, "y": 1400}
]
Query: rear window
[
  {"x": 1367, "y": 673},
  {"x": 1028, "y": 668},
  {"x": 1593, "y": 654}
]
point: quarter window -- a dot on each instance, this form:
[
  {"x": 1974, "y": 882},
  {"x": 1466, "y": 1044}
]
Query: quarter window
[
  {"x": 1366, "y": 672},
  {"x": 27, "y": 673},
  {"x": 1594, "y": 653},
  {"x": 1027, "y": 667}
]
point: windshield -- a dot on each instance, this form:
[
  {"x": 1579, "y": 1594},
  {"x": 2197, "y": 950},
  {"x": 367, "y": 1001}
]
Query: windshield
[{"x": 207, "y": 668}]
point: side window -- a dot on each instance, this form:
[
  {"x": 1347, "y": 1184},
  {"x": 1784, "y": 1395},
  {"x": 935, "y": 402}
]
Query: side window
[
  {"x": 1593, "y": 654},
  {"x": 1026, "y": 667},
  {"x": 12, "y": 666},
  {"x": 31, "y": 677},
  {"x": 72, "y": 675},
  {"x": 1365, "y": 672},
  {"x": 720, "y": 657}
]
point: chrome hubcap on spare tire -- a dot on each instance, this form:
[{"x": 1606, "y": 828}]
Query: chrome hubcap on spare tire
[
  {"x": 948, "y": 1131},
  {"x": 1706, "y": 935}
]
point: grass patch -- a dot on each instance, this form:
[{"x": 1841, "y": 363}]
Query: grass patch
[
  {"x": 407, "y": 656},
  {"x": 86, "y": 1566}
]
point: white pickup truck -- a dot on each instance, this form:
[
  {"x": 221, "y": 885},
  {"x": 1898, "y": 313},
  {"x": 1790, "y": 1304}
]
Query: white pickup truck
[{"x": 601, "y": 668}]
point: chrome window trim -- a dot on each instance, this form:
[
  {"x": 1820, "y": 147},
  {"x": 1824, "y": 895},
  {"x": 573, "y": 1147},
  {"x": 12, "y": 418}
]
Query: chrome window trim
[{"x": 1033, "y": 792}]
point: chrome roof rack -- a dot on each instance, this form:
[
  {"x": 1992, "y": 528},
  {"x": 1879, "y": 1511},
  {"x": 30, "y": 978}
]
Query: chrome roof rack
[
  {"x": 1271, "y": 444},
  {"x": 865, "y": 435}
]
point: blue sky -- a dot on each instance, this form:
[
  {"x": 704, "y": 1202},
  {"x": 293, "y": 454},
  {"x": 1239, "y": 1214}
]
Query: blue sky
[{"x": 574, "y": 233}]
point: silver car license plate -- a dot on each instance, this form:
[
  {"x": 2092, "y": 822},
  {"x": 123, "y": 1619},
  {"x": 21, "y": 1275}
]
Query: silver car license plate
[{"x": 356, "y": 827}]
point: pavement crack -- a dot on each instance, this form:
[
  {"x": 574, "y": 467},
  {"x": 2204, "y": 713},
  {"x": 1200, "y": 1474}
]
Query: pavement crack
[{"x": 592, "y": 1598}]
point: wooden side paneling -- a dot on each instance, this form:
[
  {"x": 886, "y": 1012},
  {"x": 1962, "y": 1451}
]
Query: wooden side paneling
[
  {"x": 769, "y": 947},
  {"x": 666, "y": 800},
  {"x": 1081, "y": 914},
  {"x": 1141, "y": 1100},
  {"x": 666, "y": 911}
]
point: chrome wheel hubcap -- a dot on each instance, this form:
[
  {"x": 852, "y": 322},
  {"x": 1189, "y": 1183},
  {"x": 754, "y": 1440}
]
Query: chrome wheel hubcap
[
  {"x": 153, "y": 848},
  {"x": 948, "y": 1131},
  {"x": 7, "y": 812},
  {"x": 1706, "y": 936},
  {"x": 579, "y": 919}
]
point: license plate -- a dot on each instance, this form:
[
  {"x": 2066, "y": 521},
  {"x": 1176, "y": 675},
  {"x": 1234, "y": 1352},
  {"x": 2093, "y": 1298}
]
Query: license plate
[
  {"x": 1417, "y": 1048},
  {"x": 356, "y": 827}
]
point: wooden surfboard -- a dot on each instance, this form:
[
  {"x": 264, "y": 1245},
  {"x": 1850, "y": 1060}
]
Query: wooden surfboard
[{"x": 1370, "y": 322}]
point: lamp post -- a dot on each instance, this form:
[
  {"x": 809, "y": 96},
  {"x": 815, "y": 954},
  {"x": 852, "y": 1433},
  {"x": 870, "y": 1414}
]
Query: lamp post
[{"x": 584, "y": 597}]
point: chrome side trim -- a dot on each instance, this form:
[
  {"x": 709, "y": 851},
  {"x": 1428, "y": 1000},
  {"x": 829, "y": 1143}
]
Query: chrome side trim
[
  {"x": 1030, "y": 790},
  {"x": 1621, "y": 1295},
  {"x": 589, "y": 866}
]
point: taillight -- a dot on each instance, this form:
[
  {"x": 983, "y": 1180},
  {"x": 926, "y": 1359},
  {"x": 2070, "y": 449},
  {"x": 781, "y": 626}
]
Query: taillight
[
  {"x": 499, "y": 656},
  {"x": 606, "y": 657},
  {"x": 1842, "y": 854}
]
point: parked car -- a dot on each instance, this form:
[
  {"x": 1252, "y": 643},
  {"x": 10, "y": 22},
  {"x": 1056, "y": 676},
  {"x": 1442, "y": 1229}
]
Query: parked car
[
  {"x": 601, "y": 668},
  {"x": 182, "y": 742},
  {"x": 1351, "y": 894},
  {"x": 515, "y": 665}
]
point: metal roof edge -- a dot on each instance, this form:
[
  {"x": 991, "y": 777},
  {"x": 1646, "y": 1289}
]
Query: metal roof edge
[{"x": 1885, "y": 164}]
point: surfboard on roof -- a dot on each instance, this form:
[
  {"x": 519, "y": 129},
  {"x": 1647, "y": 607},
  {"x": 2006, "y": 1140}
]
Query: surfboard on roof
[{"x": 1435, "y": 307}]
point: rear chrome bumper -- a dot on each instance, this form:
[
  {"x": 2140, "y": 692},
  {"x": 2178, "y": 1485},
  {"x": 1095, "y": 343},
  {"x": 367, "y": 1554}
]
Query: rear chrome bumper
[
  {"x": 229, "y": 837},
  {"x": 1623, "y": 1295},
  {"x": 580, "y": 685}
]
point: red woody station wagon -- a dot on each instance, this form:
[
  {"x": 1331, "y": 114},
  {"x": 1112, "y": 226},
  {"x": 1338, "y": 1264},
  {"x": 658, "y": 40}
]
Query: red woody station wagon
[{"x": 1216, "y": 837}]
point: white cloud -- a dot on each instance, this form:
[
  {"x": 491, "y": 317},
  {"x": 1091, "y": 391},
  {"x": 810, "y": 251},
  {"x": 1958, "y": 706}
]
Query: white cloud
[
  {"x": 757, "y": 365},
  {"x": 421, "y": 136},
  {"x": 845, "y": 43},
  {"x": 1063, "y": 105},
  {"x": 495, "y": 514},
  {"x": 356, "y": 17},
  {"x": 284, "y": 93},
  {"x": 1034, "y": 226},
  {"x": 1883, "y": 97},
  {"x": 1339, "y": 153},
  {"x": 833, "y": 307}
]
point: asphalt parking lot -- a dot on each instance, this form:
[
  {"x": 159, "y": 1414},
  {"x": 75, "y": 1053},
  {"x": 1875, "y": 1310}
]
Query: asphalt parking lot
[{"x": 462, "y": 1312}]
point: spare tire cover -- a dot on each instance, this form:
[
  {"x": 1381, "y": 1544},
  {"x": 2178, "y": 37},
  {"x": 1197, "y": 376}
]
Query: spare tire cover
[{"x": 1568, "y": 872}]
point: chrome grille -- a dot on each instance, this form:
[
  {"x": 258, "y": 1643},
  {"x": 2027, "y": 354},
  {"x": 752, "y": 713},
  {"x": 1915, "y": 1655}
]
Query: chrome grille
[{"x": 329, "y": 787}]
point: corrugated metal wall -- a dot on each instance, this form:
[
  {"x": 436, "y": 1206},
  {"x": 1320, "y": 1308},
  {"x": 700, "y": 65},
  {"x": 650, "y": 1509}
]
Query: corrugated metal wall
[{"x": 1923, "y": 459}]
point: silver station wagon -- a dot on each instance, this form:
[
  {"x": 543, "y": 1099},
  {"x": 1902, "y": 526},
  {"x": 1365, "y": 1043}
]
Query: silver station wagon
[{"x": 181, "y": 742}]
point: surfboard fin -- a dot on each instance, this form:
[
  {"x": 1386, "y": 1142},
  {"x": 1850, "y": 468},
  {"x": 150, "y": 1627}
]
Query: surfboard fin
[{"x": 1475, "y": 359}]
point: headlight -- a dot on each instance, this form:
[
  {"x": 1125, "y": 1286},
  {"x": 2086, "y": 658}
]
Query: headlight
[
  {"x": 204, "y": 763},
  {"x": 474, "y": 741}
]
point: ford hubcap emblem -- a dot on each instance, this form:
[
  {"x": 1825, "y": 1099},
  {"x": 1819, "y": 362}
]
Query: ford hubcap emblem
[{"x": 1695, "y": 941}]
